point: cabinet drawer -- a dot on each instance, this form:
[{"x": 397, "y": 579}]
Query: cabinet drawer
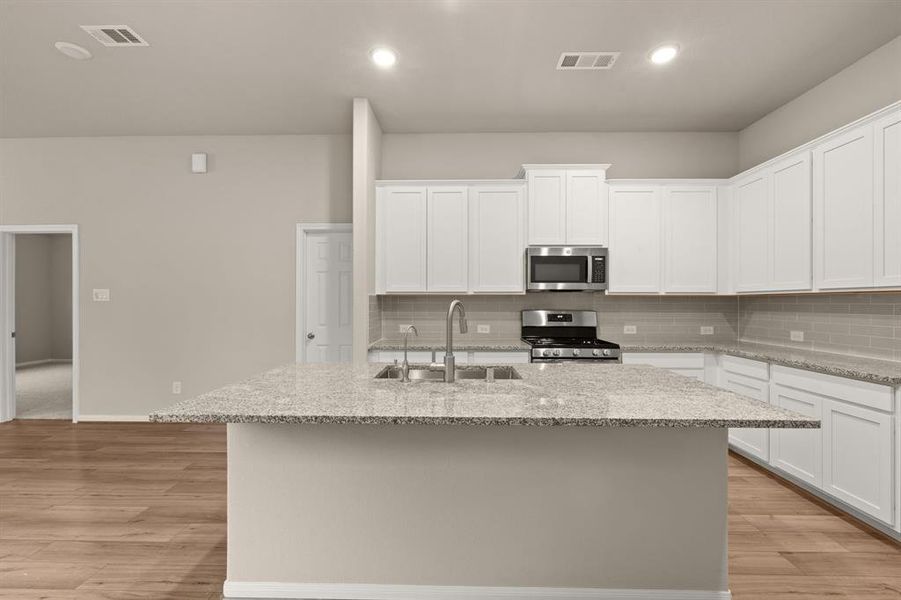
[
  {"x": 666, "y": 360},
  {"x": 746, "y": 367},
  {"x": 863, "y": 393}
]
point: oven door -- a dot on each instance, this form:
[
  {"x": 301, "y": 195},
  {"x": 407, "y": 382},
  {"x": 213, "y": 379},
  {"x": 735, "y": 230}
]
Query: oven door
[{"x": 561, "y": 268}]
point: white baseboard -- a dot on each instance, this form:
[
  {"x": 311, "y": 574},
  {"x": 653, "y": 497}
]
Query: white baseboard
[
  {"x": 235, "y": 590},
  {"x": 114, "y": 418},
  {"x": 43, "y": 361}
]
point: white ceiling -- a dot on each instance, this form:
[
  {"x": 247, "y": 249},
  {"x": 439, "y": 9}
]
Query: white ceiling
[{"x": 270, "y": 67}]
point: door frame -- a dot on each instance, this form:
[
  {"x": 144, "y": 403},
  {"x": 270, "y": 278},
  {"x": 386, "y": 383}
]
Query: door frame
[
  {"x": 304, "y": 230},
  {"x": 8, "y": 316}
]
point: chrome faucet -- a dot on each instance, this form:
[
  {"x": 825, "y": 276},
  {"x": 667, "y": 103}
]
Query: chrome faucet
[
  {"x": 449, "y": 364},
  {"x": 405, "y": 368}
]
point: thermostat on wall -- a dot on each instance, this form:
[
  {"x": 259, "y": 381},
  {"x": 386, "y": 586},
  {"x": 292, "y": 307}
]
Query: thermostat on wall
[{"x": 198, "y": 162}]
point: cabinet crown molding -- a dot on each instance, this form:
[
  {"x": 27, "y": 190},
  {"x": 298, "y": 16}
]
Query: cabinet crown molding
[{"x": 564, "y": 167}]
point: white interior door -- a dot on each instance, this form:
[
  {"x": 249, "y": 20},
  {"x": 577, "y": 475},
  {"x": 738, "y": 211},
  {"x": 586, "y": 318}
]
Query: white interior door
[
  {"x": 327, "y": 297},
  {"x": 8, "y": 319}
]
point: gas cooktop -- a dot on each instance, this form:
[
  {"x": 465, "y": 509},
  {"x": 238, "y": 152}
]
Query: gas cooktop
[{"x": 559, "y": 336}]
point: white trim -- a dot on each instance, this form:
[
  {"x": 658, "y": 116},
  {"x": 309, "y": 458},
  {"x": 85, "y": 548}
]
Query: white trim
[
  {"x": 7, "y": 314},
  {"x": 43, "y": 361},
  {"x": 713, "y": 181},
  {"x": 232, "y": 590},
  {"x": 421, "y": 182},
  {"x": 300, "y": 283},
  {"x": 115, "y": 418}
]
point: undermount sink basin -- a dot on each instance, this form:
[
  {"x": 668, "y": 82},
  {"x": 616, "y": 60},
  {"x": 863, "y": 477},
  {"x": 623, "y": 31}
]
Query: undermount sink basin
[{"x": 429, "y": 373}]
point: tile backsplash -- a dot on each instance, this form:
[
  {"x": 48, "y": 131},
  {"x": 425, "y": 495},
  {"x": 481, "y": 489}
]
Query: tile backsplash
[
  {"x": 657, "y": 319},
  {"x": 863, "y": 324}
]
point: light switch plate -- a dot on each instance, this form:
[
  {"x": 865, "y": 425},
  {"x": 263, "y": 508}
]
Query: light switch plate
[
  {"x": 706, "y": 330},
  {"x": 176, "y": 387},
  {"x": 630, "y": 329},
  {"x": 483, "y": 328},
  {"x": 797, "y": 336},
  {"x": 101, "y": 295}
]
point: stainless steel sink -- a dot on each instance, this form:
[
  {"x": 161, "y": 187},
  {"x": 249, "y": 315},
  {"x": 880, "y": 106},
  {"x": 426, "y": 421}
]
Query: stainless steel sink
[{"x": 429, "y": 373}]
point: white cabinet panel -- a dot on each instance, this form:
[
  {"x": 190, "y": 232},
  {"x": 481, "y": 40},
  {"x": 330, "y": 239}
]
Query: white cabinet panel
[
  {"x": 635, "y": 233},
  {"x": 497, "y": 238},
  {"x": 790, "y": 226},
  {"x": 858, "y": 458},
  {"x": 547, "y": 207},
  {"x": 843, "y": 210},
  {"x": 401, "y": 232},
  {"x": 448, "y": 241},
  {"x": 798, "y": 452},
  {"x": 690, "y": 239},
  {"x": 755, "y": 442},
  {"x": 887, "y": 138},
  {"x": 751, "y": 198},
  {"x": 586, "y": 207}
]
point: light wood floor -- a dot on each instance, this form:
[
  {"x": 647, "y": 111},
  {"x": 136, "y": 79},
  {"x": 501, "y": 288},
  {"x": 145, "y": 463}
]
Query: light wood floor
[{"x": 137, "y": 512}]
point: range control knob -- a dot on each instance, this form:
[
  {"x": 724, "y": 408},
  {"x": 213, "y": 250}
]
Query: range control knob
[
  {"x": 557, "y": 352},
  {"x": 543, "y": 352},
  {"x": 606, "y": 352},
  {"x": 576, "y": 352},
  {"x": 596, "y": 352}
]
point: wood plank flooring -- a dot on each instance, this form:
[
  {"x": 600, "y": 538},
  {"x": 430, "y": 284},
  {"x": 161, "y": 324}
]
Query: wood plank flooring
[{"x": 135, "y": 511}]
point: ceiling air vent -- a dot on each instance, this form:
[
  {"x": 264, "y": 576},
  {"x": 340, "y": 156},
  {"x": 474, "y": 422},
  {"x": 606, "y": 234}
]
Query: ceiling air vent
[
  {"x": 582, "y": 61},
  {"x": 115, "y": 35}
]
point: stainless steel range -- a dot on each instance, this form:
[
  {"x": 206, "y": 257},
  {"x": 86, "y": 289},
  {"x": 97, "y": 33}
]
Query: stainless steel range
[{"x": 566, "y": 336}]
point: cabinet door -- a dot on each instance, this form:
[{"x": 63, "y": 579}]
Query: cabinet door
[
  {"x": 798, "y": 452},
  {"x": 401, "y": 232},
  {"x": 690, "y": 219},
  {"x": 448, "y": 241},
  {"x": 857, "y": 444},
  {"x": 751, "y": 197},
  {"x": 887, "y": 215},
  {"x": 790, "y": 226},
  {"x": 586, "y": 208},
  {"x": 497, "y": 238},
  {"x": 843, "y": 210},
  {"x": 547, "y": 207},
  {"x": 755, "y": 442},
  {"x": 635, "y": 239}
]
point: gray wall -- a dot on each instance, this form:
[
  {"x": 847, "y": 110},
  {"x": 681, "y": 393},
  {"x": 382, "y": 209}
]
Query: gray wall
[
  {"x": 500, "y": 155},
  {"x": 200, "y": 267},
  {"x": 871, "y": 83},
  {"x": 43, "y": 297}
]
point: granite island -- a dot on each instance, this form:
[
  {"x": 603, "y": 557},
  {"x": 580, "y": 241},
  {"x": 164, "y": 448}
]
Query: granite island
[{"x": 575, "y": 481}]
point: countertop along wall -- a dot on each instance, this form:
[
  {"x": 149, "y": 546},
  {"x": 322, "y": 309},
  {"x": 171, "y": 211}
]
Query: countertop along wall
[{"x": 200, "y": 267}]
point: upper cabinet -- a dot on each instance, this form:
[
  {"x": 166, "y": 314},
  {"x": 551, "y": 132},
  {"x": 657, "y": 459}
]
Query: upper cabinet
[
  {"x": 843, "y": 209},
  {"x": 690, "y": 239},
  {"x": 450, "y": 238},
  {"x": 887, "y": 139},
  {"x": 750, "y": 197},
  {"x": 567, "y": 204},
  {"x": 635, "y": 232}
]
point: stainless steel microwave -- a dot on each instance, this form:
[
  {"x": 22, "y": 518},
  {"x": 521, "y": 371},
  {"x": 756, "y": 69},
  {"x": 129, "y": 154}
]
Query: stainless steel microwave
[{"x": 566, "y": 268}]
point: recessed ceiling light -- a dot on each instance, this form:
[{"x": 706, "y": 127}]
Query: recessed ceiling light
[
  {"x": 383, "y": 57},
  {"x": 664, "y": 54},
  {"x": 73, "y": 50}
]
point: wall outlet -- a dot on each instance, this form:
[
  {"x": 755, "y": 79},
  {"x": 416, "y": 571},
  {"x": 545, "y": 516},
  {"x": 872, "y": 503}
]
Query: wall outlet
[
  {"x": 176, "y": 387},
  {"x": 101, "y": 295},
  {"x": 797, "y": 336},
  {"x": 483, "y": 328},
  {"x": 630, "y": 329},
  {"x": 706, "y": 330},
  {"x": 403, "y": 327}
]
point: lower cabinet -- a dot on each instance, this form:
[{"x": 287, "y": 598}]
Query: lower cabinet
[
  {"x": 748, "y": 378},
  {"x": 689, "y": 364},
  {"x": 798, "y": 452},
  {"x": 462, "y": 357}
]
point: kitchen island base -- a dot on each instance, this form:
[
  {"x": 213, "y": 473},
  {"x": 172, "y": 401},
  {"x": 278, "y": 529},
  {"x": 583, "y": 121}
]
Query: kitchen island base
[{"x": 476, "y": 512}]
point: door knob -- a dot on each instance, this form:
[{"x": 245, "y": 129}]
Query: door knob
[{"x": 311, "y": 335}]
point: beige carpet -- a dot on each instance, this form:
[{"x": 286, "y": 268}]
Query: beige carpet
[{"x": 44, "y": 391}]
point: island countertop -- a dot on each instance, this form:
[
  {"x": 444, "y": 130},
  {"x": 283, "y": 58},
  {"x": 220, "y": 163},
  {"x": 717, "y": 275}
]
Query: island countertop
[{"x": 612, "y": 395}]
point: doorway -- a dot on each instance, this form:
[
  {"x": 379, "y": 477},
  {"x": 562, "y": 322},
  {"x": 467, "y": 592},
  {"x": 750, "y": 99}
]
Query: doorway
[
  {"x": 324, "y": 317},
  {"x": 39, "y": 363}
]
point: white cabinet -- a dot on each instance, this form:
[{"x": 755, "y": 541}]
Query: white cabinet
[
  {"x": 843, "y": 170},
  {"x": 462, "y": 357},
  {"x": 858, "y": 458},
  {"x": 688, "y": 364},
  {"x": 887, "y": 139},
  {"x": 448, "y": 239},
  {"x": 635, "y": 232},
  {"x": 748, "y": 378},
  {"x": 401, "y": 239},
  {"x": 690, "y": 239},
  {"x": 496, "y": 238},
  {"x": 798, "y": 452},
  {"x": 547, "y": 207},
  {"x": 789, "y": 224},
  {"x": 567, "y": 205},
  {"x": 751, "y": 207}
]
